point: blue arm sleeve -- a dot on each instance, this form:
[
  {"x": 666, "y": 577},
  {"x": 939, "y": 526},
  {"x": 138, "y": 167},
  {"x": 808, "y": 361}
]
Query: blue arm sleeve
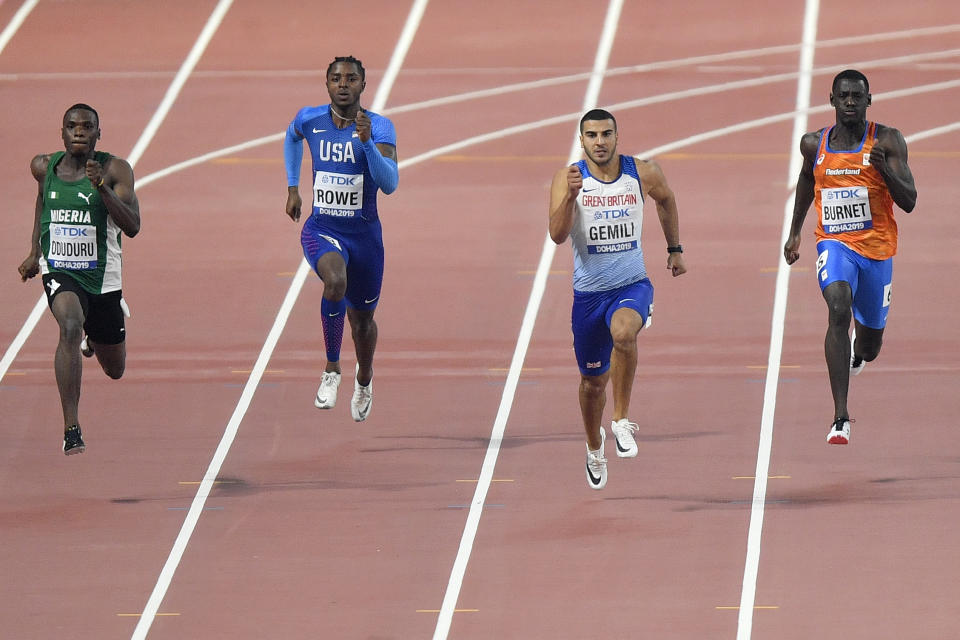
[
  {"x": 384, "y": 170},
  {"x": 293, "y": 155}
]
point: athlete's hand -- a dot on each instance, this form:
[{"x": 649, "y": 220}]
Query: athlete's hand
[
  {"x": 791, "y": 250},
  {"x": 294, "y": 203},
  {"x": 878, "y": 158},
  {"x": 363, "y": 125},
  {"x": 675, "y": 264},
  {"x": 574, "y": 181},
  {"x": 29, "y": 267},
  {"x": 94, "y": 172}
]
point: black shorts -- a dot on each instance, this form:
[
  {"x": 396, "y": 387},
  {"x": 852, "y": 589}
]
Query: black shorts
[{"x": 102, "y": 314}]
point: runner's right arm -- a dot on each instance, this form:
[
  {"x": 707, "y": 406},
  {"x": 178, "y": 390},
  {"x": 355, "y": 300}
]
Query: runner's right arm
[
  {"x": 804, "y": 195},
  {"x": 292, "y": 159},
  {"x": 31, "y": 265},
  {"x": 566, "y": 186}
]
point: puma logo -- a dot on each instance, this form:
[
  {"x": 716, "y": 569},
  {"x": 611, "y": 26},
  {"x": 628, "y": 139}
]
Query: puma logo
[{"x": 85, "y": 198}]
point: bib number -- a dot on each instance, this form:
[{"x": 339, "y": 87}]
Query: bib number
[
  {"x": 845, "y": 209},
  {"x": 73, "y": 247},
  {"x": 338, "y": 194}
]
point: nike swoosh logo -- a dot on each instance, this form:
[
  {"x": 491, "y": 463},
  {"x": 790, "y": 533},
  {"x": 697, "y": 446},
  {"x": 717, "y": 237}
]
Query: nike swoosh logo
[
  {"x": 319, "y": 130},
  {"x": 627, "y": 300},
  {"x": 621, "y": 449},
  {"x": 370, "y": 300},
  {"x": 589, "y": 190},
  {"x": 594, "y": 479},
  {"x": 333, "y": 315}
]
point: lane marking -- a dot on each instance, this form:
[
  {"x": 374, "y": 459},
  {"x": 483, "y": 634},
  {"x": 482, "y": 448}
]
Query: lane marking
[
  {"x": 214, "y": 482},
  {"x": 516, "y": 87},
  {"x": 491, "y": 480},
  {"x": 445, "y": 617},
  {"x": 783, "y": 366},
  {"x": 246, "y": 396},
  {"x": 755, "y": 607},
  {"x": 455, "y": 610},
  {"x": 137, "y": 615},
  {"x": 173, "y": 91},
  {"x": 754, "y": 477},
  {"x": 251, "y": 370},
  {"x": 752, "y": 561},
  {"x": 16, "y": 22},
  {"x": 795, "y": 267}
]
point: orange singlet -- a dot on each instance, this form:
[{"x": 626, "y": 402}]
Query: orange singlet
[{"x": 852, "y": 200}]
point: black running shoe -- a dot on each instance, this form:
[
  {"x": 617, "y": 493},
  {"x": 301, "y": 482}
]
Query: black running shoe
[{"x": 73, "y": 440}]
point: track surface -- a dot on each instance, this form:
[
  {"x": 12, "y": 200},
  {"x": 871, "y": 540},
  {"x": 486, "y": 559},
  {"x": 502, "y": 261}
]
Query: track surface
[{"x": 322, "y": 528}]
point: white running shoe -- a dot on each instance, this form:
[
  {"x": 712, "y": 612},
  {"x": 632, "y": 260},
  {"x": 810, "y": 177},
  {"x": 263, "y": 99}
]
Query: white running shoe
[
  {"x": 85, "y": 347},
  {"x": 623, "y": 431},
  {"x": 856, "y": 364},
  {"x": 839, "y": 432},
  {"x": 597, "y": 465},
  {"x": 327, "y": 393},
  {"x": 362, "y": 399}
]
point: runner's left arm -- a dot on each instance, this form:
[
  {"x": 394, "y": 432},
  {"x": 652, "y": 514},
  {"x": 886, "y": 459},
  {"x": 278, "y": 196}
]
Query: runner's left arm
[
  {"x": 115, "y": 184},
  {"x": 651, "y": 176},
  {"x": 889, "y": 157},
  {"x": 381, "y": 157}
]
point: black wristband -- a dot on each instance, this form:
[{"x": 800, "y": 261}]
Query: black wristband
[{"x": 676, "y": 249}]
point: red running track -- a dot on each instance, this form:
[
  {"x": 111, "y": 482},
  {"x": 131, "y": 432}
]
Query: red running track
[{"x": 320, "y": 527}]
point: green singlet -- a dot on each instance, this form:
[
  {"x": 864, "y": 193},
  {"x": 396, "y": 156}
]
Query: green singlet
[{"x": 77, "y": 235}]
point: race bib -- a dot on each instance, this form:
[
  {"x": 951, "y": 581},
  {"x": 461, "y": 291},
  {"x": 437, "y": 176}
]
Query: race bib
[
  {"x": 338, "y": 194},
  {"x": 845, "y": 209},
  {"x": 609, "y": 221},
  {"x": 72, "y": 246},
  {"x": 605, "y": 237}
]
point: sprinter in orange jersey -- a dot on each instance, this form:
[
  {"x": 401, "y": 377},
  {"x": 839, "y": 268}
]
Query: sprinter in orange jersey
[{"x": 853, "y": 172}]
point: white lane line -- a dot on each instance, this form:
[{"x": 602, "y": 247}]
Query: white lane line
[
  {"x": 452, "y": 594},
  {"x": 11, "y": 29},
  {"x": 230, "y": 432},
  {"x": 765, "y": 445},
  {"x": 213, "y": 23}
]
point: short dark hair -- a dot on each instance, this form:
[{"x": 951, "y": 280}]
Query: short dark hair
[
  {"x": 849, "y": 74},
  {"x": 351, "y": 60},
  {"x": 597, "y": 114},
  {"x": 83, "y": 107}
]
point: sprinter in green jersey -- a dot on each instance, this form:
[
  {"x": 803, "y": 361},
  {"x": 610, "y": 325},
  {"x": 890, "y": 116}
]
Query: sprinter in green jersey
[{"x": 85, "y": 199}]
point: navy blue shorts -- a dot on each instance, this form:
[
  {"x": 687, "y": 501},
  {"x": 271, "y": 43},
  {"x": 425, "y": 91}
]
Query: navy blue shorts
[
  {"x": 361, "y": 248},
  {"x": 870, "y": 280},
  {"x": 592, "y": 312}
]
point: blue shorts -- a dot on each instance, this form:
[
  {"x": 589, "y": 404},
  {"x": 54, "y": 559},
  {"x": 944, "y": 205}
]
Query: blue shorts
[
  {"x": 870, "y": 280},
  {"x": 592, "y": 312},
  {"x": 360, "y": 246}
]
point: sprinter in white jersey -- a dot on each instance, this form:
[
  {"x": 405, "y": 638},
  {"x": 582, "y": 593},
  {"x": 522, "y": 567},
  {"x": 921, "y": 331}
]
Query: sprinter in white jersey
[{"x": 598, "y": 203}]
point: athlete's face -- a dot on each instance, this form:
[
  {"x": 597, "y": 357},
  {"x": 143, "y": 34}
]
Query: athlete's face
[
  {"x": 599, "y": 140},
  {"x": 345, "y": 84},
  {"x": 850, "y": 99},
  {"x": 80, "y": 132}
]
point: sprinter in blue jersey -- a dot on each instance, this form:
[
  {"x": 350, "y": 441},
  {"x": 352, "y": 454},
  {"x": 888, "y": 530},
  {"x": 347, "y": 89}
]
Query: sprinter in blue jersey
[
  {"x": 354, "y": 154},
  {"x": 598, "y": 204}
]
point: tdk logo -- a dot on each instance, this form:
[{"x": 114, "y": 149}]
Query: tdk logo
[
  {"x": 70, "y": 232},
  {"x": 843, "y": 194},
  {"x": 341, "y": 180}
]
